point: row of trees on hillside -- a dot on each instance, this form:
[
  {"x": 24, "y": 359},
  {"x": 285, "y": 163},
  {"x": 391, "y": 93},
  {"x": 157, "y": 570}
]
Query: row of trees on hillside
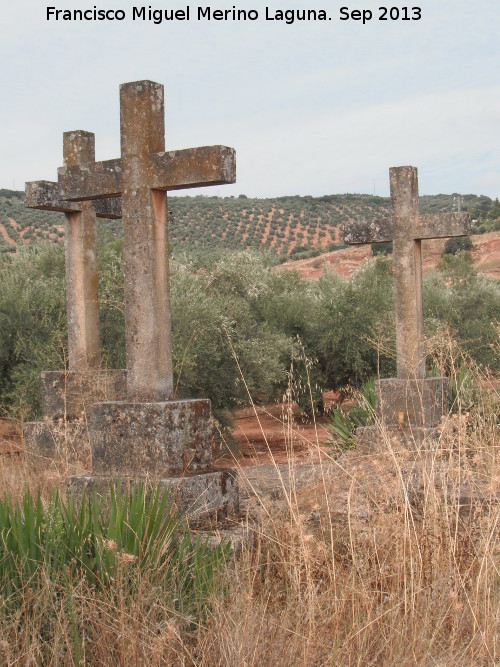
[
  {"x": 239, "y": 327},
  {"x": 282, "y": 225}
]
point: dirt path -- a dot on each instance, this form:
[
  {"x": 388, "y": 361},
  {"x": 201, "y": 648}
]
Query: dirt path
[
  {"x": 6, "y": 236},
  {"x": 275, "y": 433}
]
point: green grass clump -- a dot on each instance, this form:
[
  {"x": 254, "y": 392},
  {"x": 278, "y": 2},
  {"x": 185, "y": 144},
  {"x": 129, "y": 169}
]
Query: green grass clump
[{"x": 137, "y": 532}]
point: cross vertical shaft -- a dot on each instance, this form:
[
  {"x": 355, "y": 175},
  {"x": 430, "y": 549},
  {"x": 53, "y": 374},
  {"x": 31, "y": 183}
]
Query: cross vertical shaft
[
  {"x": 147, "y": 298},
  {"x": 407, "y": 256},
  {"x": 81, "y": 265}
]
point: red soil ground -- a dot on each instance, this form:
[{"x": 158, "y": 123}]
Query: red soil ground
[
  {"x": 486, "y": 256},
  {"x": 276, "y": 432},
  {"x": 10, "y": 439}
]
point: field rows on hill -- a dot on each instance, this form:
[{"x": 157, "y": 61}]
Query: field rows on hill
[{"x": 287, "y": 226}]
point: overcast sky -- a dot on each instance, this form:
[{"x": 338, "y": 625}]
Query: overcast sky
[{"x": 311, "y": 108}]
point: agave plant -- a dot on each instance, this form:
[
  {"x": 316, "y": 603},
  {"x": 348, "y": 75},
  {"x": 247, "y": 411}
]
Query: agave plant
[
  {"x": 139, "y": 530},
  {"x": 342, "y": 424}
]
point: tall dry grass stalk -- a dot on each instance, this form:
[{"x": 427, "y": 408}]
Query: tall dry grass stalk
[{"x": 392, "y": 558}]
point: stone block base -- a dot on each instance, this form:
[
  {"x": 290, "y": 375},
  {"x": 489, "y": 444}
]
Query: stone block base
[
  {"x": 62, "y": 438},
  {"x": 210, "y": 495},
  {"x": 469, "y": 499},
  {"x": 413, "y": 438},
  {"x": 162, "y": 439},
  {"x": 412, "y": 403},
  {"x": 53, "y": 444},
  {"x": 71, "y": 394}
]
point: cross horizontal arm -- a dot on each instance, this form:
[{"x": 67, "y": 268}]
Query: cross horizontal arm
[
  {"x": 361, "y": 231},
  {"x": 44, "y": 195},
  {"x": 194, "y": 167},
  {"x": 96, "y": 180},
  {"x": 443, "y": 225},
  {"x": 171, "y": 170},
  {"x": 429, "y": 226}
]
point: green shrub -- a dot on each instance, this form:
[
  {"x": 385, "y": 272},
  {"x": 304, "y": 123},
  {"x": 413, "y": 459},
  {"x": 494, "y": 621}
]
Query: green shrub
[
  {"x": 354, "y": 327},
  {"x": 456, "y": 243},
  {"x": 215, "y": 324},
  {"x": 32, "y": 323},
  {"x": 234, "y": 320},
  {"x": 467, "y": 304},
  {"x": 384, "y": 248}
]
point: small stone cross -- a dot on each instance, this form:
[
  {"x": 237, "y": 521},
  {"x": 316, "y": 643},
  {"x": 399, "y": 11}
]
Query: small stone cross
[
  {"x": 80, "y": 251},
  {"x": 142, "y": 176},
  {"x": 406, "y": 229}
]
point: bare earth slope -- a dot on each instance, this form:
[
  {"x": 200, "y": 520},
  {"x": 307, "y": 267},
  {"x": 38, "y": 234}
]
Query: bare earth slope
[{"x": 486, "y": 256}]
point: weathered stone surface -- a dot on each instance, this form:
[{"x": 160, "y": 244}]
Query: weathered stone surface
[
  {"x": 71, "y": 394},
  {"x": 409, "y": 411},
  {"x": 194, "y": 167},
  {"x": 361, "y": 231},
  {"x": 80, "y": 250},
  {"x": 466, "y": 499},
  {"x": 443, "y": 225},
  {"x": 51, "y": 445},
  {"x": 277, "y": 481},
  {"x": 80, "y": 243},
  {"x": 145, "y": 246},
  {"x": 208, "y": 495},
  {"x": 429, "y": 226},
  {"x": 417, "y": 402},
  {"x": 172, "y": 170},
  {"x": 44, "y": 195},
  {"x": 238, "y": 535},
  {"x": 407, "y": 262},
  {"x": 162, "y": 439}
]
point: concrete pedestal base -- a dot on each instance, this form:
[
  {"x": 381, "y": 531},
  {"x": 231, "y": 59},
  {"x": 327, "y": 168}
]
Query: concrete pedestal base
[
  {"x": 413, "y": 438},
  {"x": 470, "y": 500},
  {"x": 71, "y": 394},
  {"x": 162, "y": 439},
  {"x": 213, "y": 494},
  {"x": 57, "y": 444},
  {"x": 409, "y": 403},
  {"x": 167, "y": 443},
  {"x": 68, "y": 397}
]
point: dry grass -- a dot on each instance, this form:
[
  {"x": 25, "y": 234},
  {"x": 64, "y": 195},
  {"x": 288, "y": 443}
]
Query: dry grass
[
  {"x": 78, "y": 625},
  {"x": 393, "y": 559}
]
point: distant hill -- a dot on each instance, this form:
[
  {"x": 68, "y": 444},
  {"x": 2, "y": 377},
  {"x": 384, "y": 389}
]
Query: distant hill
[
  {"x": 292, "y": 227},
  {"x": 485, "y": 256}
]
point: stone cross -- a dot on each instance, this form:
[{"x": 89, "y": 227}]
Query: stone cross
[
  {"x": 80, "y": 252},
  {"x": 406, "y": 229},
  {"x": 142, "y": 176}
]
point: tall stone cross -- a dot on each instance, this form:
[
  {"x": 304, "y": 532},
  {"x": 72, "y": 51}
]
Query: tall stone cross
[
  {"x": 142, "y": 176},
  {"x": 406, "y": 229},
  {"x": 80, "y": 251}
]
